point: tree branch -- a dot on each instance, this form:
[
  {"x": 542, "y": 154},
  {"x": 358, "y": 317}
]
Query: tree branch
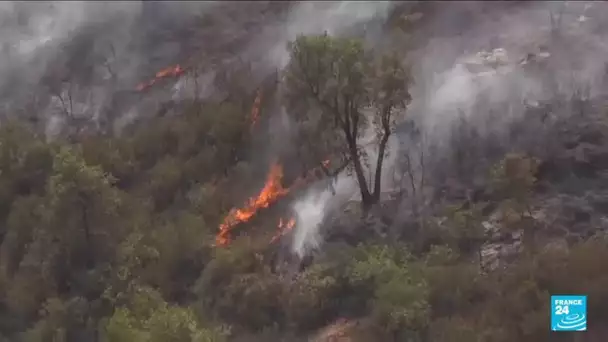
[
  {"x": 314, "y": 88},
  {"x": 385, "y": 121},
  {"x": 336, "y": 171}
]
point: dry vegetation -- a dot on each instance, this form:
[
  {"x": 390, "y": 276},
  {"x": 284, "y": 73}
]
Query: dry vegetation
[{"x": 115, "y": 238}]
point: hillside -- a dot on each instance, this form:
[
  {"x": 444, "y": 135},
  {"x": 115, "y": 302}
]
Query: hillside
[{"x": 299, "y": 171}]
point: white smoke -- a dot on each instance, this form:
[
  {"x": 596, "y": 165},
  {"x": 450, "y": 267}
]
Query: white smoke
[
  {"x": 99, "y": 50},
  {"x": 311, "y": 17},
  {"x": 32, "y": 35},
  {"x": 313, "y": 208},
  {"x": 448, "y": 83},
  {"x": 316, "y": 18},
  {"x": 311, "y": 211}
]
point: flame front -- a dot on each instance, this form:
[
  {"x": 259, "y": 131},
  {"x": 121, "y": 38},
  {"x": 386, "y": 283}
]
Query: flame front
[
  {"x": 284, "y": 227},
  {"x": 272, "y": 191},
  {"x": 172, "y": 71}
]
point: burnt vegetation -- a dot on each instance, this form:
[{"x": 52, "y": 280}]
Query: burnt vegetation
[{"x": 113, "y": 236}]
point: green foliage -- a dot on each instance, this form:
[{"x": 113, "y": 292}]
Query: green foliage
[
  {"x": 83, "y": 210},
  {"x": 324, "y": 70},
  {"x": 465, "y": 230},
  {"x": 327, "y": 67},
  {"x": 66, "y": 239},
  {"x": 400, "y": 292},
  {"x": 164, "y": 182},
  {"x": 401, "y": 304},
  {"x": 149, "y": 318},
  {"x": 183, "y": 246},
  {"x": 513, "y": 304},
  {"x": 312, "y": 298},
  {"x": 25, "y": 214},
  {"x": 133, "y": 256},
  {"x": 337, "y": 88},
  {"x": 74, "y": 180},
  {"x": 453, "y": 330},
  {"x": 377, "y": 263},
  {"x": 25, "y": 165},
  {"x": 114, "y": 156},
  {"x": 452, "y": 283},
  {"x": 239, "y": 288},
  {"x": 61, "y": 321}
]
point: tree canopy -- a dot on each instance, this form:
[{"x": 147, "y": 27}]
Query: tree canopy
[{"x": 340, "y": 89}]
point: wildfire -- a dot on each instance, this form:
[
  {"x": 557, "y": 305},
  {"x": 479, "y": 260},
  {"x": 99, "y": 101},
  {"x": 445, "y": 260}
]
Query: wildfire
[
  {"x": 172, "y": 71},
  {"x": 255, "y": 109},
  {"x": 284, "y": 228},
  {"x": 272, "y": 191}
]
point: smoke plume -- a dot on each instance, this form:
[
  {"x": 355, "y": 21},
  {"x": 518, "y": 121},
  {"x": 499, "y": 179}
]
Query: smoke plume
[
  {"x": 485, "y": 64},
  {"x": 74, "y": 64},
  {"x": 489, "y": 64}
]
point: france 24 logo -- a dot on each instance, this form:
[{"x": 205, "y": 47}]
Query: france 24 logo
[{"x": 569, "y": 313}]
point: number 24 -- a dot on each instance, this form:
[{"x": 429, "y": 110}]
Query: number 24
[{"x": 561, "y": 310}]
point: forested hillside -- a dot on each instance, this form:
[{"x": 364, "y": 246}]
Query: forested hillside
[{"x": 338, "y": 195}]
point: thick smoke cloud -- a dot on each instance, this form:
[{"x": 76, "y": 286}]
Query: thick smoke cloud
[
  {"x": 571, "y": 45},
  {"x": 81, "y": 60},
  {"x": 84, "y": 59}
]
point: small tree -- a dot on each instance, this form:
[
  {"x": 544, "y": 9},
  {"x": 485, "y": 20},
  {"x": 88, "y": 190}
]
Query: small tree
[{"x": 341, "y": 87}]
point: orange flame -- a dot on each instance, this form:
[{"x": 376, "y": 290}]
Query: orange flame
[
  {"x": 284, "y": 228},
  {"x": 255, "y": 110},
  {"x": 272, "y": 191},
  {"x": 172, "y": 71}
]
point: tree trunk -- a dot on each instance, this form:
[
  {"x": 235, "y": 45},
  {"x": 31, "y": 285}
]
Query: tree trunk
[
  {"x": 379, "y": 164},
  {"x": 367, "y": 200}
]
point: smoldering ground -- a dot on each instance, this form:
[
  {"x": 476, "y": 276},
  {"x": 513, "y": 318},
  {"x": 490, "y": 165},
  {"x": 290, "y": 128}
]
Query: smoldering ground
[
  {"x": 495, "y": 78},
  {"x": 489, "y": 79},
  {"x": 83, "y": 61}
]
